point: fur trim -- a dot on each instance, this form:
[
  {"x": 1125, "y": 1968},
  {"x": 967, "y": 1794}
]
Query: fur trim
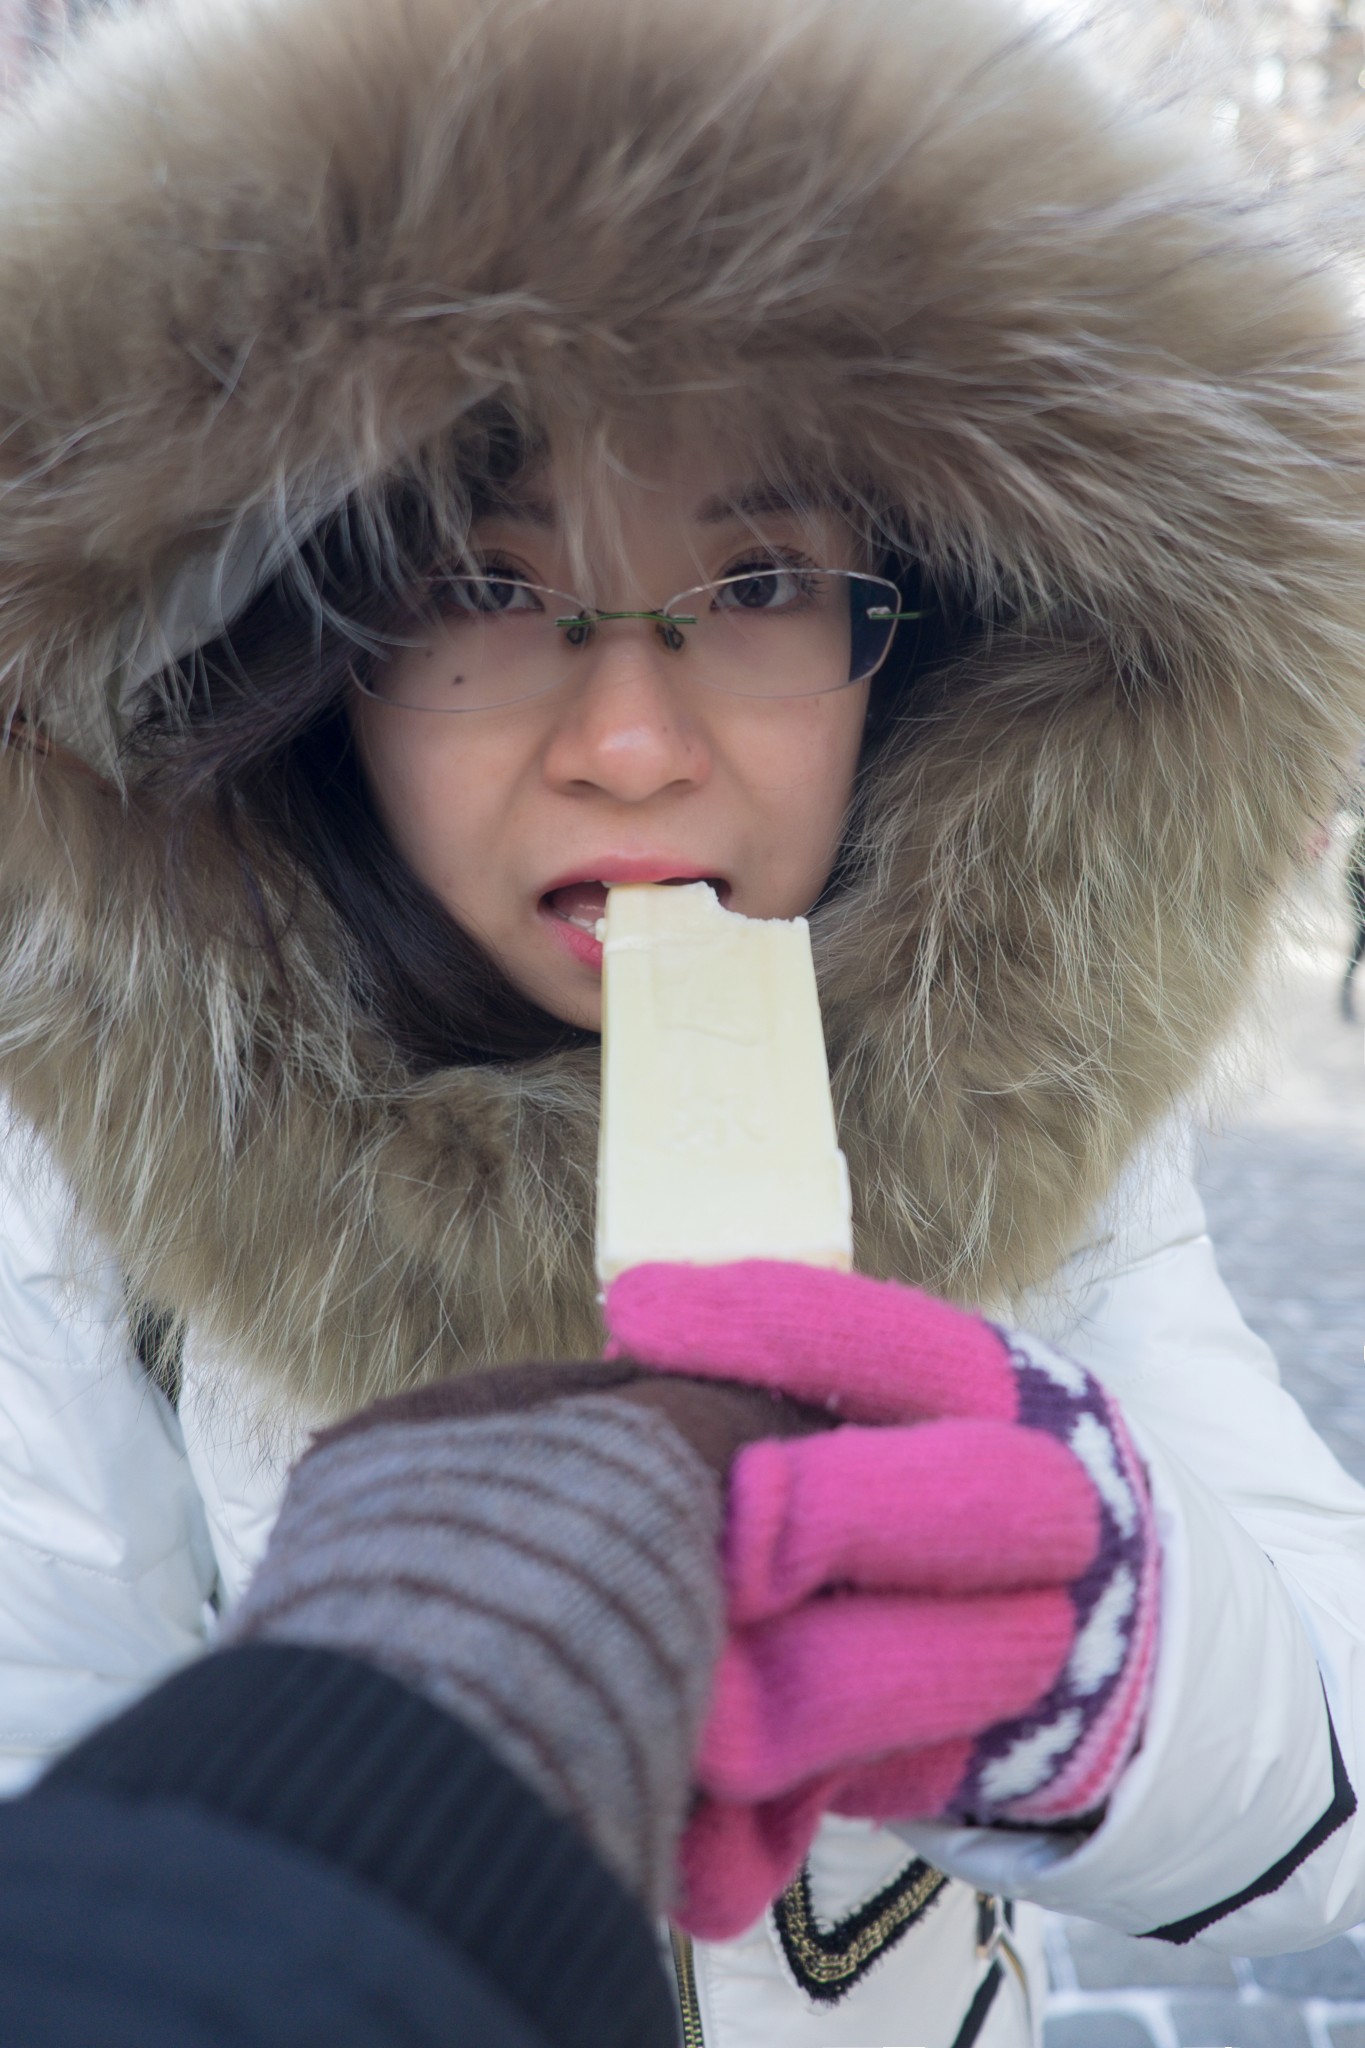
[{"x": 258, "y": 253}]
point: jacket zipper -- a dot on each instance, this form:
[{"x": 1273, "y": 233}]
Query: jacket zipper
[
  {"x": 684, "y": 1969},
  {"x": 1016, "y": 1963}
]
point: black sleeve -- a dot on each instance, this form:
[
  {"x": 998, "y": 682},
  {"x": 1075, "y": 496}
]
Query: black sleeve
[{"x": 284, "y": 1846}]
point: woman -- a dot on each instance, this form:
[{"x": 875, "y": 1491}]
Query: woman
[{"x": 329, "y": 336}]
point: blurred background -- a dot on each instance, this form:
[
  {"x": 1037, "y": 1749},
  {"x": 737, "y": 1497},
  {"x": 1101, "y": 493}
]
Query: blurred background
[
  {"x": 1281, "y": 77},
  {"x": 1283, "y": 1170}
]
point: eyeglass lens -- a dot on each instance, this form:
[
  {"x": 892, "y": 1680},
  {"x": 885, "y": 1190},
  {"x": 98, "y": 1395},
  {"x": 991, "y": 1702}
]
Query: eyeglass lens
[{"x": 770, "y": 632}]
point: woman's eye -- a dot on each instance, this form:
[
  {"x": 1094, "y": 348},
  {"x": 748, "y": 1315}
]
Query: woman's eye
[
  {"x": 765, "y": 586},
  {"x": 489, "y": 594}
]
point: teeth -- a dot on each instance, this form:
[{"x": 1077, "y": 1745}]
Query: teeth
[{"x": 589, "y": 921}]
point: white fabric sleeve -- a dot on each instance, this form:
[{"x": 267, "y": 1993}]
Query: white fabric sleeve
[
  {"x": 105, "y": 1564},
  {"x": 240, "y": 1451},
  {"x": 1236, "y": 1822}
]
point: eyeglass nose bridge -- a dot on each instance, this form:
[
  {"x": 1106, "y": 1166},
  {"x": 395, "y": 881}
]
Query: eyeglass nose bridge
[{"x": 580, "y": 624}]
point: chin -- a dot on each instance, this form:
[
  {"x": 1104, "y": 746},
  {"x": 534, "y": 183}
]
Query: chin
[
  {"x": 581, "y": 1008},
  {"x": 585, "y": 1016}
]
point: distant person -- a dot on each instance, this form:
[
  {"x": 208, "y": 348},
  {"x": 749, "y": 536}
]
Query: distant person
[{"x": 1354, "y": 878}]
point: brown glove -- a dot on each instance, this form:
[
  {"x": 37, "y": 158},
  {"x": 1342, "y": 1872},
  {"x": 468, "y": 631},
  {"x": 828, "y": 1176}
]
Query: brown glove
[{"x": 716, "y": 1417}]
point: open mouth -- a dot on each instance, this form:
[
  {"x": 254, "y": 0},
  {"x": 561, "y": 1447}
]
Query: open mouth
[{"x": 582, "y": 904}]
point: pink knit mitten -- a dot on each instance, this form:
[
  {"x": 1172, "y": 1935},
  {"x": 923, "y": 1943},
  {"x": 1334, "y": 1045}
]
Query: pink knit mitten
[{"x": 954, "y": 1618}]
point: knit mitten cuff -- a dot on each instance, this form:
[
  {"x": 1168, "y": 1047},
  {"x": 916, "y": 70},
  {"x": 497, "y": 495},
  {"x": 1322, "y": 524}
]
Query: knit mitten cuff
[{"x": 1063, "y": 1757}]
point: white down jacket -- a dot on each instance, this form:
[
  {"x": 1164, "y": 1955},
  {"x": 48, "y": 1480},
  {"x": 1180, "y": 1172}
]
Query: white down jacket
[{"x": 123, "y": 1523}]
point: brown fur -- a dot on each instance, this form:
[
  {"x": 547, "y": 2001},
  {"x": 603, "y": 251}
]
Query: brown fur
[{"x": 252, "y": 254}]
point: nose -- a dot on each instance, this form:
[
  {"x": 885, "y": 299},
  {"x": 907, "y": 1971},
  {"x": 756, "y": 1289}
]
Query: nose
[{"x": 625, "y": 727}]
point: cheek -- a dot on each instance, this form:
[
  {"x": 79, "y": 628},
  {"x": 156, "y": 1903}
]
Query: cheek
[
  {"x": 809, "y": 757},
  {"x": 432, "y": 792},
  {"x": 832, "y": 788},
  {"x": 799, "y": 771}
]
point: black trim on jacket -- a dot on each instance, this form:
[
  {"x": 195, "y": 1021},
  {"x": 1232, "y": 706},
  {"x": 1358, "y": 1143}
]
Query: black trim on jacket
[
  {"x": 978, "y": 2012},
  {"x": 827, "y": 1962},
  {"x": 1339, "y": 1811}
]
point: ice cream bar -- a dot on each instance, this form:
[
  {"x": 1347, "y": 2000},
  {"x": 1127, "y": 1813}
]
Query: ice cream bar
[{"x": 718, "y": 1138}]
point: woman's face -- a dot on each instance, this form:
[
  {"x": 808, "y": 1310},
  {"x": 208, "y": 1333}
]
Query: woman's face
[{"x": 518, "y": 817}]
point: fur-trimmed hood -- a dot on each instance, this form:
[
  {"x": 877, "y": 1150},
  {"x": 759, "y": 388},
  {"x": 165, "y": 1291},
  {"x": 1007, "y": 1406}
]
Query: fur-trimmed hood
[{"x": 256, "y": 254}]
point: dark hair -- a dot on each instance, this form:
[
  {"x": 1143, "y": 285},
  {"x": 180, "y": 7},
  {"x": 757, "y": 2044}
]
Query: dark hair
[{"x": 254, "y": 724}]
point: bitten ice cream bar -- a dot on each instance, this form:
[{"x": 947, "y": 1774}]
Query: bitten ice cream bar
[{"x": 718, "y": 1138}]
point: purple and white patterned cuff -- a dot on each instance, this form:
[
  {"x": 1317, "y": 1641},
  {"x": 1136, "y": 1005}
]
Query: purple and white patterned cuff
[{"x": 1062, "y": 1758}]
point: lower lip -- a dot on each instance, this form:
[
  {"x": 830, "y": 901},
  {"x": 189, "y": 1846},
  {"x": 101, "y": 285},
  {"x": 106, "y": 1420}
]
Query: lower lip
[{"x": 580, "y": 944}]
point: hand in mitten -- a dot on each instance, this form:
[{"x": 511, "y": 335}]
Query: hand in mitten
[
  {"x": 951, "y": 1614},
  {"x": 536, "y": 1550}
]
